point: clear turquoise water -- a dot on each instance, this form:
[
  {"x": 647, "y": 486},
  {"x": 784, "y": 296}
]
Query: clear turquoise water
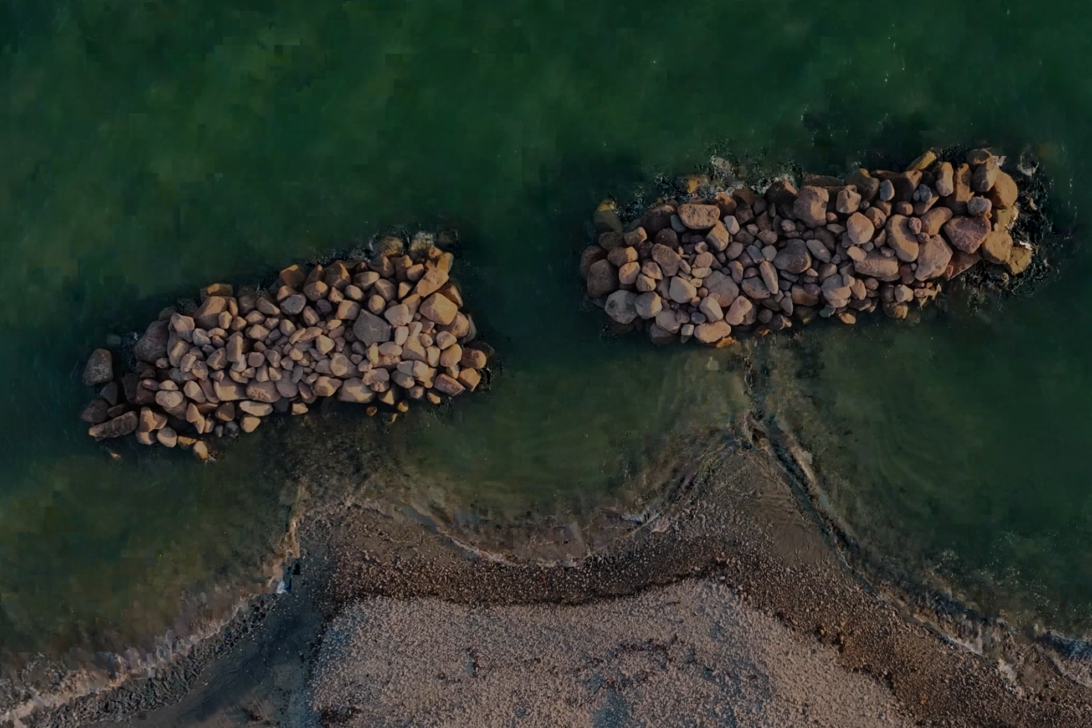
[{"x": 149, "y": 148}]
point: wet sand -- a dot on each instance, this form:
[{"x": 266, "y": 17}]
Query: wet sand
[{"x": 731, "y": 607}]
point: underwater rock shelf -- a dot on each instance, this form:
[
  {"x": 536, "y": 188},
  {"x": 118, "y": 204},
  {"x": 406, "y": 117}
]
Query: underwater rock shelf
[
  {"x": 712, "y": 263},
  {"x": 378, "y": 332}
]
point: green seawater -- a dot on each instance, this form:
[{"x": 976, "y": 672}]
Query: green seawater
[{"x": 148, "y": 148}]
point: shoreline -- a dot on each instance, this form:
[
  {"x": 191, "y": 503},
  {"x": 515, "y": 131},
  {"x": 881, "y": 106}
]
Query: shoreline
[{"x": 739, "y": 524}]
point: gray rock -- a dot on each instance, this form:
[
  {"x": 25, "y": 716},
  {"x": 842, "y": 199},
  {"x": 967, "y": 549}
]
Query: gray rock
[
  {"x": 602, "y": 278},
  {"x": 769, "y": 276},
  {"x": 117, "y": 427},
  {"x": 878, "y": 266},
  {"x": 648, "y": 305},
  {"x": 739, "y": 311},
  {"x": 711, "y": 309},
  {"x": 99, "y": 368},
  {"x": 887, "y": 190},
  {"x": 95, "y": 413},
  {"x": 621, "y": 306},
  {"x": 816, "y": 248},
  {"x": 793, "y": 258},
  {"x": 681, "y": 291},
  {"x": 754, "y": 288},
  {"x": 153, "y": 344},
  {"x": 978, "y": 206},
  {"x": 721, "y": 287},
  {"x": 371, "y": 329}
]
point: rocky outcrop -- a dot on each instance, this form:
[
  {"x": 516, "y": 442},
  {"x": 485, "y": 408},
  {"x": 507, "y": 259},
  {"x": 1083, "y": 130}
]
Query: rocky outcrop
[
  {"x": 381, "y": 332},
  {"x": 717, "y": 264}
]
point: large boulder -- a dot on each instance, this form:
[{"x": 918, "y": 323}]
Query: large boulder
[
  {"x": 877, "y": 266},
  {"x": 997, "y": 247},
  {"x": 681, "y": 291},
  {"x": 966, "y": 233},
  {"x": 648, "y": 305},
  {"x": 933, "y": 258},
  {"x": 153, "y": 344},
  {"x": 699, "y": 217},
  {"x": 945, "y": 180},
  {"x": 1004, "y": 192},
  {"x": 99, "y": 368},
  {"x": 859, "y": 229},
  {"x": 721, "y": 287},
  {"x": 794, "y": 258},
  {"x": 117, "y": 427},
  {"x": 711, "y": 333},
  {"x": 621, "y": 306},
  {"x": 933, "y": 220},
  {"x": 810, "y": 206},
  {"x": 208, "y": 313},
  {"x": 371, "y": 329},
  {"x": 961, "y": 183},
  {"x": 737, "y": 312},
  {"x": 902, "y": 239},
  {"x": 602, "y": 278},
  {"x": 439, "y": 309},
  {"x": 667, "y": 259}
]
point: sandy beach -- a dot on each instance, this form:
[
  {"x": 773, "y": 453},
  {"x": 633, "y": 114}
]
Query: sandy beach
[{"x": 732, "y": 607}]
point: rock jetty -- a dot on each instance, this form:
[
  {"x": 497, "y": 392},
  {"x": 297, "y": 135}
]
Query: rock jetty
[
  {"x": 380, "y": 332},
  {"x": 712, "y": 264}
]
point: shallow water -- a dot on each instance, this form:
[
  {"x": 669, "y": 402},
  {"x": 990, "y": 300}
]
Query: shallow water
[{"x": 148, "y": 149}]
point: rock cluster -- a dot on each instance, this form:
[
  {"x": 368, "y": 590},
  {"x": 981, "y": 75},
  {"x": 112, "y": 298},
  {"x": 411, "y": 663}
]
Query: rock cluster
[
  {"x": 379, "y": 332},
  {"x": 708, "y": 266}
]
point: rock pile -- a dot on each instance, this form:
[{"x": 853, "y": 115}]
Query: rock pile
[
  {"x": 713, "y": 265},
  {"x": 384, "y": 331}
]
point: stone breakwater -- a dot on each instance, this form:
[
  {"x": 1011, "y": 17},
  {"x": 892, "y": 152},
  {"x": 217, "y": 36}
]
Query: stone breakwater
[
  {"x": 711, "y": 264},
  {"x": 378, "y": 332}
]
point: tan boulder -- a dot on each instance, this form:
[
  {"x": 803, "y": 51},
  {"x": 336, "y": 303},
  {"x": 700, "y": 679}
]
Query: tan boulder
[
  {"x": 902, "y": 239},
  {"x": 997, "y": 247},
  {"x": 1004, "y": 192},
  {"x": 711, "y": 333},
  {"x": 1019, "y": 260},
  {"x": 859, "y": 229},
  {"x": 739, "y": 311},
  {"x": 208, "y": 313},
  {"x": 699, "y": 217},
  {"x": 934, "y": 219},
  {"x": 439, "y": 309},
  {"x": 681, "y": 291},
  {"x": 448, "y": 385}
]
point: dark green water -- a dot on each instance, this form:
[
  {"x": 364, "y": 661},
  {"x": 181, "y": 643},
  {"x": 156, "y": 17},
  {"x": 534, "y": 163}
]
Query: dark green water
[{"x": 149, "y": 148}]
